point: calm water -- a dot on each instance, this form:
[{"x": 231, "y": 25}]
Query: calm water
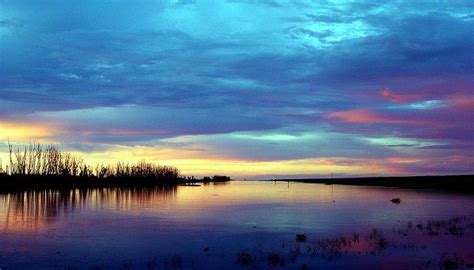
[{"x": 208, "y": 226}]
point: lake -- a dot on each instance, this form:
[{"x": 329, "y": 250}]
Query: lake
[{"x": 236, "y": 225}]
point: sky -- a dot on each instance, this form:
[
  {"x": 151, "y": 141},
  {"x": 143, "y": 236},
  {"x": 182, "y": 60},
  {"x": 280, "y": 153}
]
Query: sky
[{"x": 250, "y": 89}]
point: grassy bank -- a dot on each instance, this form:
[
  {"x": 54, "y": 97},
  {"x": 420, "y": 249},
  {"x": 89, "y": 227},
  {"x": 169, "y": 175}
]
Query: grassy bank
[{"x": 460, "y": 183}]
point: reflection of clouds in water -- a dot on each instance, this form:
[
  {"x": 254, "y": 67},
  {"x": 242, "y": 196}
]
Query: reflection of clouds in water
[
  {"x": 32, "y": 210},
  {"x": 108, "y": 226}
]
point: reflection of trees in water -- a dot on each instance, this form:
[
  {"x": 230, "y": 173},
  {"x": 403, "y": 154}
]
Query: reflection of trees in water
[
  {"x": 35, "y": 208},
  {"x": 223, "y": 183}
]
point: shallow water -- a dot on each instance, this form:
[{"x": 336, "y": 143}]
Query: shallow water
[{"x": 208, "y": 226}]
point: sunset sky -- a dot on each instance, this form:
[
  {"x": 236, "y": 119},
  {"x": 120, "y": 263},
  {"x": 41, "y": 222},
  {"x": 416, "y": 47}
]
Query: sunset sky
[{"x": 250, "y": 89}]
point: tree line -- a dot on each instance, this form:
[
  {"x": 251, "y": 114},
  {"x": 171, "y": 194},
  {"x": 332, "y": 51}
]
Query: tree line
[{"x": 38, "y": 160}]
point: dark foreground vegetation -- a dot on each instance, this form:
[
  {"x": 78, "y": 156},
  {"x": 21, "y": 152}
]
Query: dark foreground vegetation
[
  {"x": 374, "y": 245},
  {"x": 37, "y": 166},
  {"x": 458, "y": 183}
]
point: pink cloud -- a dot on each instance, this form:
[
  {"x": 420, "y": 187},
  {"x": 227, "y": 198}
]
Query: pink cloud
[
  {"x": 387, "y": 93},
  {"x": 462, "y": 102},
  {"x": 366, "y": 116}
]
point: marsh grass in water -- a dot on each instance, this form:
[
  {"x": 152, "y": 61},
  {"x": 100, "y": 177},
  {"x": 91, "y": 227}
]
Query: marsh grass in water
[
  {"x": 301, "y": 237},
  {"x": 396, "y": 200},
  {"x": 455, "y": 226},
  {"x": 244, "y": 258},
  {"x": 373, "y": 244},
  {"x": 323, "y": 253}
]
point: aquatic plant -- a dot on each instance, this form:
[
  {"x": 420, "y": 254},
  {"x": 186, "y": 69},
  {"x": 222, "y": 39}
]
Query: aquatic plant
[
  {"x": 304, "y": 267},
  {"x": 301, "y": 237},
  {"x": 396, "y": 200},
  {"x": 126, "y": 265},
  {"x": 452, "y": 226},
  {"x": 450, "y": 261},
  {"x": 355, "y": 237},
  {"x": 294, "y": 253},
  {"x": 382, "y": 243},
  {"x": 372, "y": 243},
  {"x": 456, "y": 230},
  {"x": 331, "y": 248},
  {"x": 275, "y": 259},
  {"x": 152, "y": 264},
  {"x": 97, "y": 267},
  {"x": 244, "y": 258},
  {"x": 177, "y": 261}
]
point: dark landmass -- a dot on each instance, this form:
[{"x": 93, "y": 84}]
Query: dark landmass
[
  {"x": 458, "y": 183},
  {"x": 26, "y": 182}
]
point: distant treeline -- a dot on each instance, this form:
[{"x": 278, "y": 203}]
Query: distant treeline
[
  {"x": 35, "y": 164},
  {"x": 216, "y": 178},
  {"x": 458, "y": 183}
]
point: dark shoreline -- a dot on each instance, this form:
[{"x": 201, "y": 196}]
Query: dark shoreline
[
  {"x": 454, "y": 183},
  {"x": 14, "y": 183},
  {"x": 458, "y": 183}
]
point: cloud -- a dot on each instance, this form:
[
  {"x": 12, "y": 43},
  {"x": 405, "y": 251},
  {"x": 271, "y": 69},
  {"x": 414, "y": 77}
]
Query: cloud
[
  {"x": 22, "y": 131},
  {"x": 463, "y": 102},
  {"x": 366, "y": 116},
  {"x": 69, "y": 76},
  {"x": 8, "y": 24},
  {"x": 397, "y": 98},
  {"x": 135, "y": 73},
  {"x": 422, "y": 105}
]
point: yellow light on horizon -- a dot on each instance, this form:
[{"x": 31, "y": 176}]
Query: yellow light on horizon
[
  {"x": 192, "y": 164},
  {"x": 25, "y": 131},
  {"x": 197, "y": 163}
]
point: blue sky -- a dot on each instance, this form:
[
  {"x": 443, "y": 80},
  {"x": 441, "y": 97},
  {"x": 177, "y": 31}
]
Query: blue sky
[{"x": 333, "y": 87}]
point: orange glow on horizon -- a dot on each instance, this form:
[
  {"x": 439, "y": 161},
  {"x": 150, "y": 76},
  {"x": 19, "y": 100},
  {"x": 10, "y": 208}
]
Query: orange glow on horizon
[
  {"x": 20, "y": 131},
  {"x": 195, "y": 163},
  {"x": 192, "y": 162}
]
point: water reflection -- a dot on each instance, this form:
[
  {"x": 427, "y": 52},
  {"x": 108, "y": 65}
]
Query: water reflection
[
  {"x": 267, "y": 205},
  {"x": 32, "y": 210},
  {"x": 94, "y": 227}
]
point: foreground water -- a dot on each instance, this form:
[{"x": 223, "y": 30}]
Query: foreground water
[{"x": 236, "y": 225}]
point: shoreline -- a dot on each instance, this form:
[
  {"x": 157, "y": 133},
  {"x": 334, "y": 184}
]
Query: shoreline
[
  {"x": 34, "y": 182},
  {"x": 458, "y": 183},
  {"x": 452, "y": 183}
]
